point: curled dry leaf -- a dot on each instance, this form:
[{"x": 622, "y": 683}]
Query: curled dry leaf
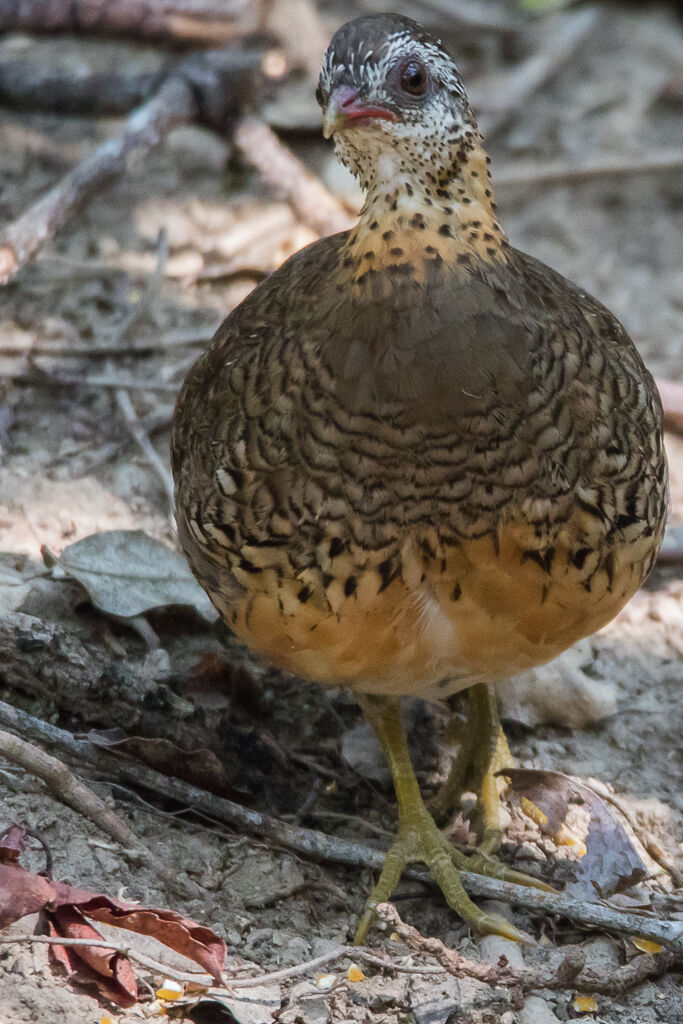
[
  {"x": 128, "y": 573},
  {"x": 611, "y": 861},
  {"x": 69, "y": 912},
  {"x": 12, "y": 844},
  {"x": 201, "y": 767},
  {"x": 108, "y": 969}
]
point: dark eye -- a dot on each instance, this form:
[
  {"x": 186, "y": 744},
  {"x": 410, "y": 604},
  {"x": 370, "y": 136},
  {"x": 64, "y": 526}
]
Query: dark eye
[{"x": 413, "y": 77}]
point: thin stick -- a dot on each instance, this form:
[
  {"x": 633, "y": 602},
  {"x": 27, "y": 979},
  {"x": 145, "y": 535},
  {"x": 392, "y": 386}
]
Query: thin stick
[
  {"x": 131, "y": 419},
  {"x": 320, "y": 847},
  {"x": 612, "y": 167},
  {"x": 340, "y": 952},
  {"x": 118, "y": 947},
  {"x": 570, "y": 974},
  {"x": 173, "y": 105},
  {"x": 206, "y": 88},
  {"x": 61, "y": 781},
  {"x": 309, "y": 198}
]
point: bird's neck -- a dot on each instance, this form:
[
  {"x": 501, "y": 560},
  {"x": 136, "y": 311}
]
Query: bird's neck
[{"x": 415, "y": 216}]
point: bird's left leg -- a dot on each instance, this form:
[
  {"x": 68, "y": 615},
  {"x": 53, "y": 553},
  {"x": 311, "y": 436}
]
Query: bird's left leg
[{"x": 419, "y": 839}]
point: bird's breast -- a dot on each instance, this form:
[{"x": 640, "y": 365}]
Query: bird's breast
[{"x": 436, "y": 616}]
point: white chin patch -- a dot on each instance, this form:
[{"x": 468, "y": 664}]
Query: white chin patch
[{"x": 386, "y": 167}]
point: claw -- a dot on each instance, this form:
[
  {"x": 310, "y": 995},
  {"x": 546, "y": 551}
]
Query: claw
[
  {"x": 496, "y": 924},
  {"x": 482, "y": 864}
]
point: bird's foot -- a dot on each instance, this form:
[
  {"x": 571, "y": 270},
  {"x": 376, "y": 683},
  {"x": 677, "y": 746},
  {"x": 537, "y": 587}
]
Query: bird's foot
[{"x": 419, "y": 840}]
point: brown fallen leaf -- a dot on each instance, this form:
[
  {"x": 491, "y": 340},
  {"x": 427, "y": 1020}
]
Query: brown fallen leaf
[
  {"x": 201, "y": 767},
  {"x": 12, "y": 844},
  {"x": 21, "y": 893},
  {"x": 611, "y": 861},
  {"x": 108, "y": 969},
  {"x": 68, "y": 911}
]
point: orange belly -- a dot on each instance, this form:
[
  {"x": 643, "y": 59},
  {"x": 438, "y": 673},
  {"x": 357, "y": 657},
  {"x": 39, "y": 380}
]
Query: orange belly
[{"x": 479, "y": 611}]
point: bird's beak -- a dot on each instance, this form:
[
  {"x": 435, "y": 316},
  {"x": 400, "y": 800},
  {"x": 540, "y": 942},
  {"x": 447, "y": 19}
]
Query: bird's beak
[{"x": 345, "y": 105}]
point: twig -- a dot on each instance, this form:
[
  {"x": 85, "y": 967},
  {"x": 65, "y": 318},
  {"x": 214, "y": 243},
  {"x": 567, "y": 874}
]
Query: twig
[
  {"x": 563, "y": 35},
  {"x": 35, "y": 379},
  {"x": 199, "y": 978},
  {"x": 320, "y": 847},
  {"x": 207, "y": 88},
  {"x": 262, "y": 900},
  {"x": 173, "y": 105},
  {"x": 526, "y": 174},
  {"x": 309, "y": 198},
  {"x": 196, "y": 20},
  {"x": 61, "y": 781},
  {"x": 571, "y": 972},
  {"x": 118, "y": 947},
  {"x": 130, "y": 417},
  {"x": 141, "y": 437}
]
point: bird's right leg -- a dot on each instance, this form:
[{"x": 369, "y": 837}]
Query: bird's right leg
[{"x": 482, "y": 754}]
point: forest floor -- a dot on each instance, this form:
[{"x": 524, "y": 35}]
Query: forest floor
[{"x": 69, "y": 468}]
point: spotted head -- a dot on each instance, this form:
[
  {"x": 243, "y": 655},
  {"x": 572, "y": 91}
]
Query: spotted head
[
  {"x": 392, "y": 98},
  {"x": 391, "y": 92}
]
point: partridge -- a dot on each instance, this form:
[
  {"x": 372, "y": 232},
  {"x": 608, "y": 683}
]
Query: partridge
[{"x": 416, "y": 460}]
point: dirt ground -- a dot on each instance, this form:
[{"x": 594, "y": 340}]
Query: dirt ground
[{"x": 68, "y": 468}]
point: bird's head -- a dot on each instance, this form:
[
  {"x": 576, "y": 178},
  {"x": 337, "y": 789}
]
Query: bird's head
[{"x": 393, "y": 100}]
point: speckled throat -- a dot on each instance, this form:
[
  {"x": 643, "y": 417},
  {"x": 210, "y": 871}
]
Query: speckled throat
[{"x": 415, "y": 215}]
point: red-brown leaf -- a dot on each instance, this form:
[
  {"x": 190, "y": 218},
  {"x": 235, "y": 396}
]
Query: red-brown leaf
[
  {"x": 12, "y": 843},
  {"x": 180, "y": 933},
  {"x": 21, "y": 893},
  {"x": 109, "y": 970}
]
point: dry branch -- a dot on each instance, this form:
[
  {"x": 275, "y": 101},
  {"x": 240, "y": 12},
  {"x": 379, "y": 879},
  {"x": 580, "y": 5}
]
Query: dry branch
[
  {"x": 173, "y": 105},
  {"x": 212, "y": 21},
  {"x": 571, "y": 972},
  {"x": 208, "y": 88},
  {"x": 320, "y": 847},
  {"x": 64, "y": 785},
  {"x": 309, "y": 198}
]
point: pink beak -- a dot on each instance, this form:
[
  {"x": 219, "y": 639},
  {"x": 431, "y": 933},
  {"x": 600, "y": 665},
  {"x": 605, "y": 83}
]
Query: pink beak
[{"x": 346, "y": 105}]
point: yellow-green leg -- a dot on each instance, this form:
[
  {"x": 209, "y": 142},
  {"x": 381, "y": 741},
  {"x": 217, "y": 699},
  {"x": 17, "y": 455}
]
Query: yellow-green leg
[
  {"x": 483, "y": 752},
  {"x": 420, "y": 840}
]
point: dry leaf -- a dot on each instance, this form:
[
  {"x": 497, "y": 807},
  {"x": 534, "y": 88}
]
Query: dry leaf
[
  {"x": 109, "y": 970},
  {"x": 646, "y": 945},
  {"x": 201, "y": 767},
  {"x": 128, "y": 573},
  {"x": 611, "y": 861},
  {"x": 69, "y": 912}
]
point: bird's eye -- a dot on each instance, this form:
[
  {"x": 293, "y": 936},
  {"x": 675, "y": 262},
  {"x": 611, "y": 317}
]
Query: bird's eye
[{"x": 413, "y": 77}]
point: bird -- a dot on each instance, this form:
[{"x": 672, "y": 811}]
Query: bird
[{"x": 415, "y": 460}]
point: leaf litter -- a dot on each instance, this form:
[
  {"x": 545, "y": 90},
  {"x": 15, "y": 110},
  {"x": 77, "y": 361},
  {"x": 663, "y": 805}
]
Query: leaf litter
[
  {"x": 606, "y": 859},
  {"x": 127, "y": 573}
]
